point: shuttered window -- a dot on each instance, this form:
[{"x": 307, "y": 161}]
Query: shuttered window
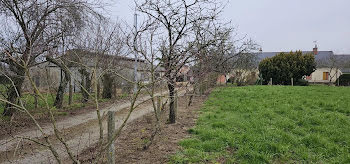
[{"x": 325, "y": 75}]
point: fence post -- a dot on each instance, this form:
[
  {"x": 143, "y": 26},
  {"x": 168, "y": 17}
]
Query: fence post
[
  {"x": 175, "y": 103},
  {"x": 111, "y": 129},
  {"x": 292, "y": 81},
  {"x": 271, "y": 81}
]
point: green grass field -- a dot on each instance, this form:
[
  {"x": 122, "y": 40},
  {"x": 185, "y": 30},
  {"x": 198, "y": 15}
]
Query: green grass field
[{"x": 278, "y": 124}]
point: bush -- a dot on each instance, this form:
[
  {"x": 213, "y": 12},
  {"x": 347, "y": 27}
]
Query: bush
[
  {"x": 302, "y": 82},
  {"x": 344, "y": 80},
  {"x": 284, "y": 66}
]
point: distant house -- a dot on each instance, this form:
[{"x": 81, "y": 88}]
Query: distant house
[
  {"x": 185, "y": 74},
  {"x": 221, "y": 79},
  {"x": 328, "y": 65}
]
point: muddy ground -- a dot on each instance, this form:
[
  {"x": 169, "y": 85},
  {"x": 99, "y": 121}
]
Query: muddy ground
[
  {"x": 129, "y": 146},
  {"x": 81, "y": 133}
]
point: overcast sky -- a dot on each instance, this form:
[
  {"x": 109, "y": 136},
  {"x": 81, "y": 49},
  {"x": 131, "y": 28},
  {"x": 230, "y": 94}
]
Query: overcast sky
[{"x": 280, "y": 25}]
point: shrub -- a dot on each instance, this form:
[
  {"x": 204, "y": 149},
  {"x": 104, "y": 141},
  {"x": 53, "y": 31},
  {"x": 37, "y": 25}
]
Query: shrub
[
  {"x": 284, "y": 66},
  {"x": 302, "y": 82},
  {"x": 344, "y": 80}
]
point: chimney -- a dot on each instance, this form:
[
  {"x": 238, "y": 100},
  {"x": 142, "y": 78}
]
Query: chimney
[{"x": 315, "y": 50}]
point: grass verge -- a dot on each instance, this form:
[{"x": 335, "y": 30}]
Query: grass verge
[{"x": 29, "y": 103}]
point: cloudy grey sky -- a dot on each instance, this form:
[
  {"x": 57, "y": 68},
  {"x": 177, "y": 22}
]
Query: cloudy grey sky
[{"x": 280, "y": 25}]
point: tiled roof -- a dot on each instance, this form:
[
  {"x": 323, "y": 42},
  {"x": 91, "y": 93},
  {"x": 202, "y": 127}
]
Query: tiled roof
[
  {"x": 323, "y": 58},
  {"x": 345, "y": 70},
  {"x": 320, "y": 55}
]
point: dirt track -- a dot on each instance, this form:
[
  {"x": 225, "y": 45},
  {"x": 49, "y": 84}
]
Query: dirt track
[{"x": 80, "y": 132}]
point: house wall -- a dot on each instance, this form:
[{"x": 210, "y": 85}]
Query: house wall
[
  {"x": 43, "y": 76},
  {"x": 49, "y": 76},
  {"x": 317, "y": 76},
  {"x": 221, "y": 80},
  {"x": 246, "y": 76}
]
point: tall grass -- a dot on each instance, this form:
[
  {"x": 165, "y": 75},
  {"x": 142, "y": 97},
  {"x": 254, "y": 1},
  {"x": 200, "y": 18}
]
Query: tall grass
[{"x": 278, "y": 124}]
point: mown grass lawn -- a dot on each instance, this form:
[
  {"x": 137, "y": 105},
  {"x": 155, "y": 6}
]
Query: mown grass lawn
[{"x": 271, "y": 124}]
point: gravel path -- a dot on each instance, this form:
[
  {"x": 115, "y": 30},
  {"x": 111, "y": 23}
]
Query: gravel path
[{"x": 80, "y": 132}]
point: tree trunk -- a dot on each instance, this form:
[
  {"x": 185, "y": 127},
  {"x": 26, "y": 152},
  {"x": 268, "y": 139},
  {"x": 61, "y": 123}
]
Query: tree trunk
[
  {"x": 172, "y": 113},
  {"x": 63, "y": 83},
  {"x": 86, "y": 85},
  {"x": 70, "y": 99},
  {"x": 60, "y": 93},
  {"x": 107, "y": 86}
]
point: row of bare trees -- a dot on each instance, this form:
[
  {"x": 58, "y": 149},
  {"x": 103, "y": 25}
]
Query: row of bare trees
[
  {"x": 73, "y": 36},
  {"x": 190, "y": 32}
]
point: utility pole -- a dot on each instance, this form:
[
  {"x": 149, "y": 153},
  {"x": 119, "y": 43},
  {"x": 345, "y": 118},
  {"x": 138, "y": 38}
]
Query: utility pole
[{"x": 135, "y": 44}]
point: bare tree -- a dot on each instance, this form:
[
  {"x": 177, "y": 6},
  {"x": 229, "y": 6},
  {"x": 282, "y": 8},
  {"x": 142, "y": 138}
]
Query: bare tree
[
  {"x": 100, "y": 63},
  {"x": 180, "y": 22},
  {"x": 21, "y": 107},
  {"x": 33, "y": 29},
  {"x": 144, "y": 44},
  {"x": 226, "y": 52},
  {"x": 64, "y": 81}
]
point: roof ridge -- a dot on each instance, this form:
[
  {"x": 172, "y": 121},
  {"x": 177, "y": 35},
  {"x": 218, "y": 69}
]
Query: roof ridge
[{"x": 289, "y": 51}]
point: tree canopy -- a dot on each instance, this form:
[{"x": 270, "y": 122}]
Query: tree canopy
[{"x": 284, "y": 66}]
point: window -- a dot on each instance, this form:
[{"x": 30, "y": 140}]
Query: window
[{"x": 325, "y": 75}]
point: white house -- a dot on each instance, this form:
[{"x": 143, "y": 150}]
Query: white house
[{"x": 328, "y": 65}]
